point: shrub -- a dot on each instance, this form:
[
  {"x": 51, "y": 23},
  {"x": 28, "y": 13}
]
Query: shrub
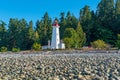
[
  {"x": 15, "y": 49},
  {"x": 36, "y": 46},
  {"x": 3, "y": 49},
  {"x": 118, "y": 41},
  {"x": 71, "y": 38},
  {"x": 99, "y": 44},
  {"x": 68, "y": 42}
]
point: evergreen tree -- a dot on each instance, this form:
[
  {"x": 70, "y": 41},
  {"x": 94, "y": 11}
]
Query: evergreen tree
[
  {"x": 62, "y": 24},
  {"x": 13, "y": 33},
  {"x": 70, "y": 35},
  {"x": 44, "y": 28},
  {"x": 39, "y": 25},
  {"x": 81, "y": 36},
  {"x": 68, "y": 19},
  {"x": 94, "y": 26},
  {"x": 21, "y": 40},
  {"x": 86, "y": 22},
  {"x": 105, "y": 19},
  {"x": 116, "y": 22},
  {"x": 30, "y": 35},
  {"x": 117, "y": 7},
  {"x": 105, "y": 13},
  {"x": 3, "y": 34},
  {"x": 85, "y": 14},
  {"x": 36, "y": 37},
  {"x": 71, "y": 21}
]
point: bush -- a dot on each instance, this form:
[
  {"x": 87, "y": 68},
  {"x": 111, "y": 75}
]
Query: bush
[
  {"x": 71, "y": 38},
  {"x": 36, "y": 46},
  {"x": 68, "y": 42},
  {"x": 3, "y": 49},
  {"x": 118, "y": 41},
  {"x": 15, "y": 49},
  {"x": 99, "y": 44}
]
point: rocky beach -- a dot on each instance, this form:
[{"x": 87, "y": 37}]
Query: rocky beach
[{"x": 52, "y": 65}]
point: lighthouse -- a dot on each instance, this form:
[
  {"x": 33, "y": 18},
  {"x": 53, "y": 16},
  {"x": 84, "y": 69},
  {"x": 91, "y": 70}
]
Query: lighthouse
[{"x": 55, "y": 42}]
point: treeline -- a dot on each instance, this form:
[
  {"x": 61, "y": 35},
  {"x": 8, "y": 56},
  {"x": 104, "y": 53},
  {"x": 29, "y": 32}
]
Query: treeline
[{"x": 103, "y": 24}]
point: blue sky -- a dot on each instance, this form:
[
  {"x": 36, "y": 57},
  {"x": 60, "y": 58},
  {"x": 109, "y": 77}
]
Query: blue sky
[{"x": 35, "y": 9}]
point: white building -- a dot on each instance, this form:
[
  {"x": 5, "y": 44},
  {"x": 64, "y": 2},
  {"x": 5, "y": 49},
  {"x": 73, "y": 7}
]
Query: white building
[
  {"x": 55, "y": 42},
  {"x": 55, "y": 36}
]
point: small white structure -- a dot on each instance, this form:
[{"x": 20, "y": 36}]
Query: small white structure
[{"x": 61, "y": 45}]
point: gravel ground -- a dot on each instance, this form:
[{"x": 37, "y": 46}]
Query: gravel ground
[{"x": 60, "y": 66}]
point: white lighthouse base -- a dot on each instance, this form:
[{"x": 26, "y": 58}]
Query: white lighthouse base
[
  {"x": 61, "y": 46},
  {"x": 55, "y": 38}
]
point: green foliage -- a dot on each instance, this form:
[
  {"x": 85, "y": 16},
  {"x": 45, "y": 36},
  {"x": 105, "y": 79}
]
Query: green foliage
[
  {"x": 22, "y": 33},
  {"x": 69, "y": 32},
  {"x": 70, "y": 35},
  {"x": 70, "y": 21},
  {"x": 44, "y": 28},
  {"x": 106, "y": 19},
  {"x": 81, "y": 38},
  {"x": 118, "y": 41},
  {"x": 68, "y": 42},
  {"x": 117, "y": 7},
  {"x": 62, "y": 24},
  {"x": 15, "y": 49},
  {"x": 36, "y": 46},
  {"x": 30, "y": 38},
  {"x": 74, "y": 38},
  {"x": 13, "y": 32},
  {"x": 36, "y": 37},
  {"x": 85, "y": 14},
  {"x": 3, "y": 49},
  {"x": 99, "y": 44},
  {"x": 86, "y": 22},
  {"x": 116, "y": 23},
  {"x": 3, "y": 34},
  {"x": 16, "y": 33}
]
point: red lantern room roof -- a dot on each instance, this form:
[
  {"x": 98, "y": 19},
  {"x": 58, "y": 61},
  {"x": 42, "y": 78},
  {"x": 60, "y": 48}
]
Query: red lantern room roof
[{"x": 55, "y": 23}]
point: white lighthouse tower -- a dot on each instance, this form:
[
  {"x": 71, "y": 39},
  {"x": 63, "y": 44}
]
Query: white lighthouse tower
[
  {"x": 55, "y": 36},
  {"x": 56, "y": 43}
]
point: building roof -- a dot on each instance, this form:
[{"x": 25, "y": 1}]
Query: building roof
[{"x": 55, "y": 23}]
